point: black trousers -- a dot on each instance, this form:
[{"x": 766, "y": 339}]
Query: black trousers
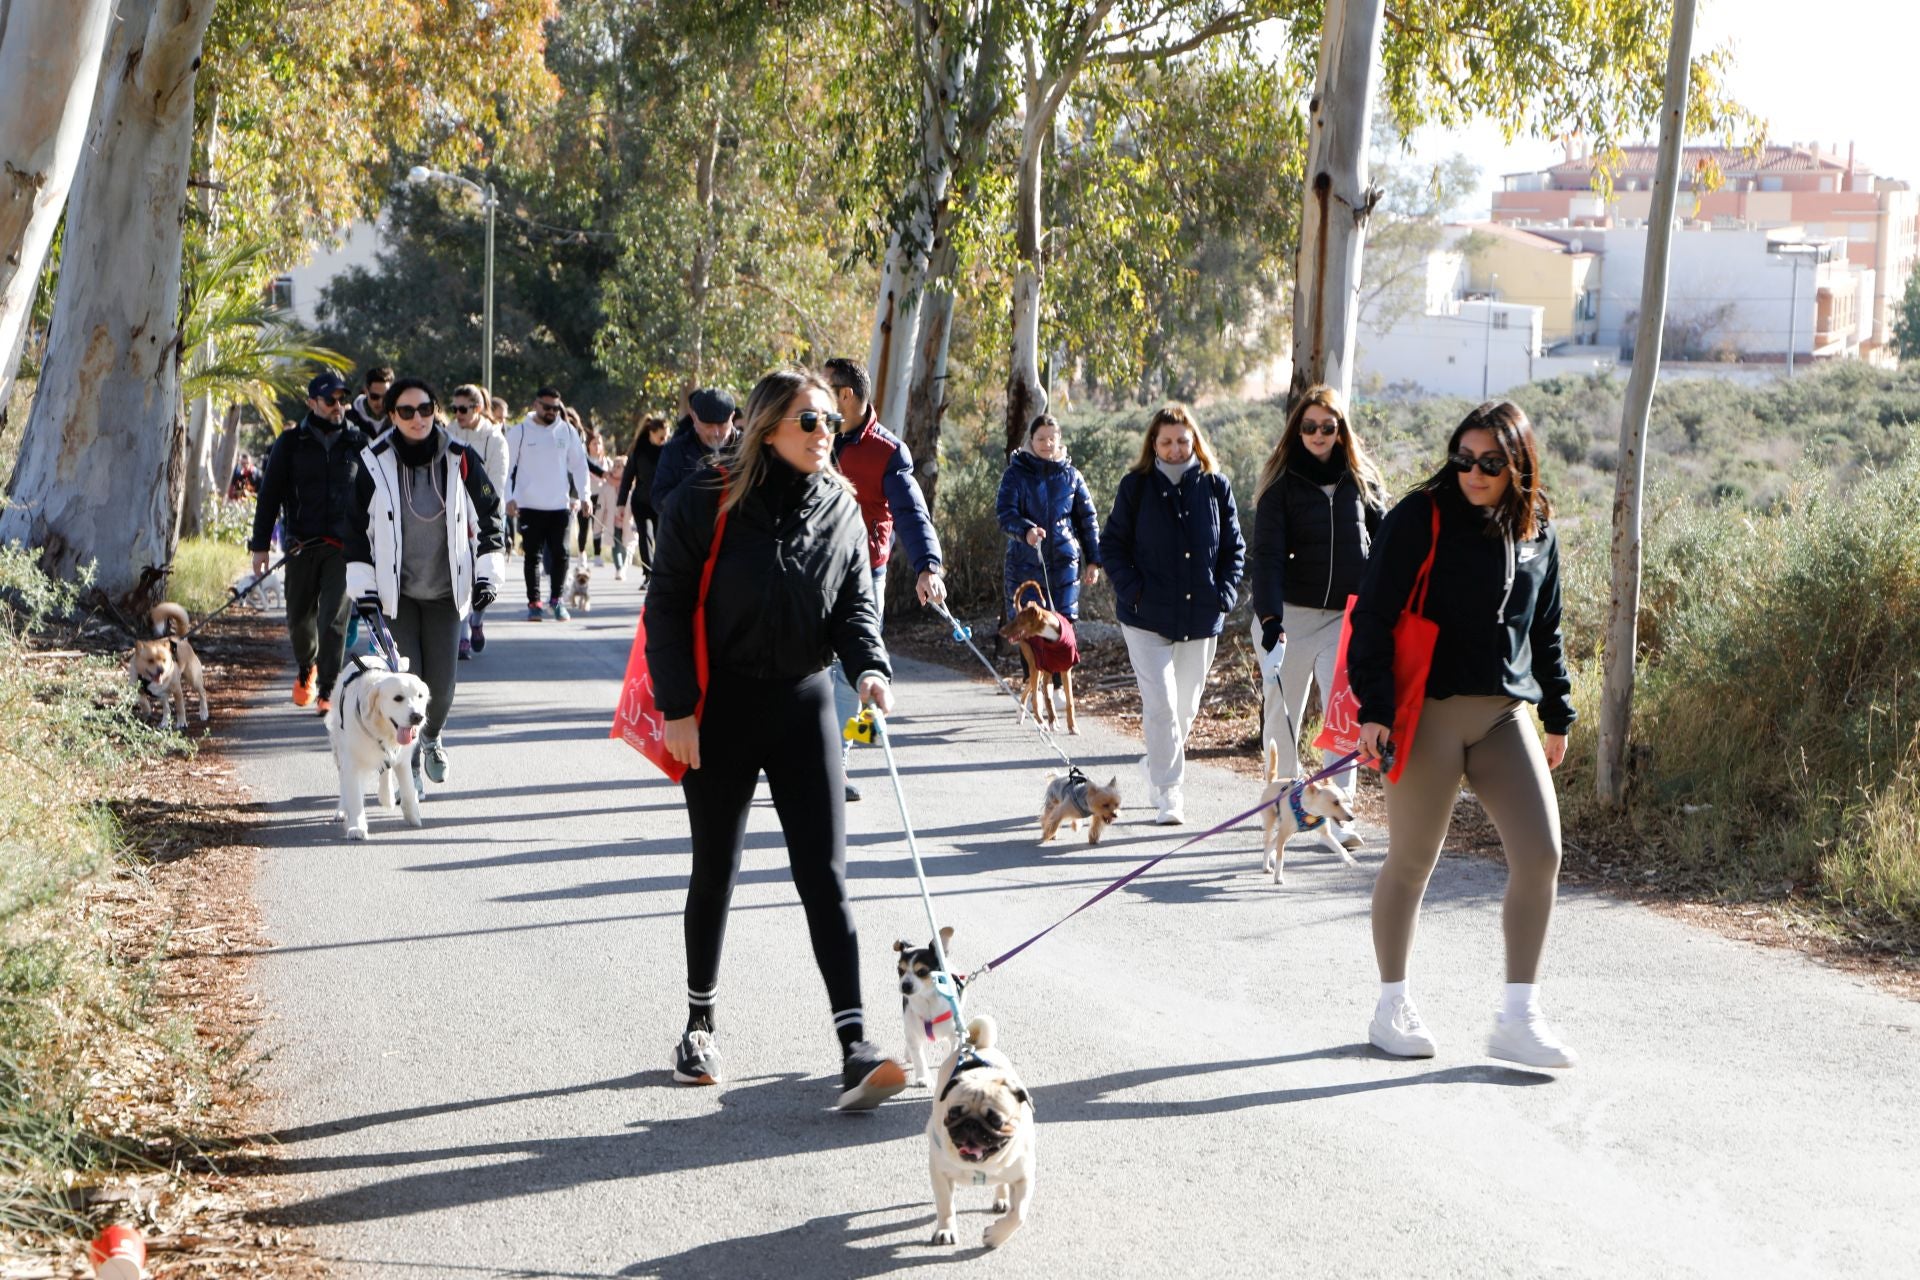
[
  {"x": 427, "y": 634},
  {"x": 316, "y": 578},
  {"x": 644, "y": 523},
  {"x": 543, "y": 536},
  {"x": 787, "y": 731}
]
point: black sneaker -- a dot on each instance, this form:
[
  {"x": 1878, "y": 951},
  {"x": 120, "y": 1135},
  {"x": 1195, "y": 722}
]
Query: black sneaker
[
  {"x": 696, "y": 1060},
  {"x": 853, "y": 793},
  {"x": 869, "y": 1078}
]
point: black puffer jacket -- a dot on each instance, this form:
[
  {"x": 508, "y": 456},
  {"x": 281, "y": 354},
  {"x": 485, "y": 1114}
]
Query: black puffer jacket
[
  {"x": 791, "y": 589},
  {"x": 307, "y": 486},
  {"x": 1497, "y": 604},
  {"x": 636, "y": 481},
  {"x": 1310, "y": 547}
]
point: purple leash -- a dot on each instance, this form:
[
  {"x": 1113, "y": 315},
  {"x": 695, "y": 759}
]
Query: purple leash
[{"x": 1337, "y": 766}]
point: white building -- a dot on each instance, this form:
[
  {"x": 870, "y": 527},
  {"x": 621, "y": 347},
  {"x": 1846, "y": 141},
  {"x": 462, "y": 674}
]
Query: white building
[{"x": 299, "y": 290}]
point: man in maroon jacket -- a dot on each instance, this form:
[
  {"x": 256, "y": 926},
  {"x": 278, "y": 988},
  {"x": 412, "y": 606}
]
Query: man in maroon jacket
[{"x": 881, "y": 469}]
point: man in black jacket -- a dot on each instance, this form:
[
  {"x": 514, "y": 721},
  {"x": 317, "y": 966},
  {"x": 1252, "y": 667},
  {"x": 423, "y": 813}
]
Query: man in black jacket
[
  {"x": 307, "y": 485},
  {"x": 710, "y": 427}
]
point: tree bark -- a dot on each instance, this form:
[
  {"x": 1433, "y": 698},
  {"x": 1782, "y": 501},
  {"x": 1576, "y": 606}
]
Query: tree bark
[
  {"x": 927, "y": 393},
  {"x": 227, "y": 454},
  {"x": 1623, "y": 610},
  {"x": 700, "y": 277},
  {"x": 50, "y": 54},
  {"x": 201, "y": 479},
  {"x": 896, "y": 322},
  {"x": 99, "y": 474},
  {"x": 1025, "y": 398},
  {"x": 1333, "y": 228}
]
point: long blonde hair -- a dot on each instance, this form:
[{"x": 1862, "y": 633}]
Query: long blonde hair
[
  {"x": 746, "y": 462},
  {"x": 1174, "y": 415},
  {"x": 1365, "y": 473}
]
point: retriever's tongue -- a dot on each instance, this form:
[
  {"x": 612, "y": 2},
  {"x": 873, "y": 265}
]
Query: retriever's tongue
[{"x": 405, "y": 734}]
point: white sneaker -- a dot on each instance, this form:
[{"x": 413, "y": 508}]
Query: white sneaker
[
  {"x": 1170, "y": 815},
  {"x": 1530, "y": 1040},
  {"x": 1398, "y": 1030}
]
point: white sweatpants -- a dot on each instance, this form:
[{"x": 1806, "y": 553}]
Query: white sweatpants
[
  {"x": 1172, "y": 676},
  {"x": 1313, "y": 646}
]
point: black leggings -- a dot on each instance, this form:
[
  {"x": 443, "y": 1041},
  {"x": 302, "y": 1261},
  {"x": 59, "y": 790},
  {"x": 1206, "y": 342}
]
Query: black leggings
[
  {"x": 543, "y": 536},
  {"x": 786, "y": 729}
]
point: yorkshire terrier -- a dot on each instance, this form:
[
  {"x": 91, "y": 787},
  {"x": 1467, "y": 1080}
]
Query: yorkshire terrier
[{"x": 1072, "y": 798}]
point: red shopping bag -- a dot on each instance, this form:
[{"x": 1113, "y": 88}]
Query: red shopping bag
[
  {"x": 637, "y": 718},
  {"x": 1413, "y": 640}
]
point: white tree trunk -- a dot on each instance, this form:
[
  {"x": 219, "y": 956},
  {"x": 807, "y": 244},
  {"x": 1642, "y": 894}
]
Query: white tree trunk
[
  {"x": 50, "y": 64},
  {"x": 1333, "y": 228},
  {"x": 99, "y": 474},
  {"x": 896, "y": 323},
  {"x": 1623, "y": 610},
  {"x": 201, "y": 477},
  {"x": 1025, "y": 398},
  {"x": 227, "y": 454}
]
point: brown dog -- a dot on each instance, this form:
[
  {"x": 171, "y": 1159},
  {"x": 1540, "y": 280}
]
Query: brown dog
[
  {"x": 1047, "y": 646},
  {"x": 1072, "y": 797},
  {"x": 166, "y": 666}
]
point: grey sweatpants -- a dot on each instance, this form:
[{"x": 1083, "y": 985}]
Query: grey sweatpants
[
  {"x": 1313, "y": 645},
  {"x": 427, "y": 634},
  {"x": 1491, "y": 742}
]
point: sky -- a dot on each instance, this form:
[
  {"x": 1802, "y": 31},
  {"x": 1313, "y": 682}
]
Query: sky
[{"x": 1828, "y": 71}]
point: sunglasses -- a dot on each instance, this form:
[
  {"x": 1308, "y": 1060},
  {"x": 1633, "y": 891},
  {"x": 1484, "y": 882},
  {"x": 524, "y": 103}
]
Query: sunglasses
[
  {"x": 1319, "y": 428},
  {"x": 810, "y": 421},
  {"x": 339, "y": 399},
  {"x": 1490, "y": 464},
  {"x": 408, "y": 412},
  {"x": 465, "y": 408},
  {"x": 544, "y": 407}
]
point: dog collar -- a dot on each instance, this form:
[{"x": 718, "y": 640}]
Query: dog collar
[
  {"x": 945, "y": 1017},
  {"x": 1303, "y": 820}
]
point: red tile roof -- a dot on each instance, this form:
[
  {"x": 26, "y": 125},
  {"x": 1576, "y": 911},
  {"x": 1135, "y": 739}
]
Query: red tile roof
[{"x": 1733, "y": 161}]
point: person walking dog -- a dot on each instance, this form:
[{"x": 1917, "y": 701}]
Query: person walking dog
[
  {"x": 1173, "y": 550},
  {"x": 1317, "y": 507},
  {"x": 1494, "y": 593},
  {"x": 791, "y": 590},
  {"x": 307, "y": 486},
  {"x": 545, "y": 486},
  {"x": 1046, "y": 511},
  {"x": 425, "y": 547}
]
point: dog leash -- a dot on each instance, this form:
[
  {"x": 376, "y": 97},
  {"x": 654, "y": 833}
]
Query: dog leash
[
  {"x": 236, "y": 595},
  {"x": 377, "y": 623},
  {"x": 944, "y": 981},
  {"x": 1001, "y": 959},
  {"x": 963, "y": 634}
]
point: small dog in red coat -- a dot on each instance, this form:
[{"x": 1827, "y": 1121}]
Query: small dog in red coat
[{"x": 1048, "y": 647}]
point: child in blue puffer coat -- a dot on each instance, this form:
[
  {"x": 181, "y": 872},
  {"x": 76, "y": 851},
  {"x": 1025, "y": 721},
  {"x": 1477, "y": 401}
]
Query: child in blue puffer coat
[{"x": 1046, "y": 511}]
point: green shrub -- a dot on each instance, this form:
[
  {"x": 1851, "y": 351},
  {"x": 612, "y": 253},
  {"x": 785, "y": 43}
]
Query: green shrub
[{"x": 204, "y": 570}]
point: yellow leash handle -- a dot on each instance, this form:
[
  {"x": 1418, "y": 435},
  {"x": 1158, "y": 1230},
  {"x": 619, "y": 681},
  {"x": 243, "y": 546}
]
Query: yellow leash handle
[{"x": 859, "y": 728}]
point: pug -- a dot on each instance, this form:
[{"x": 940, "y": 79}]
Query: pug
[{"x": 981, "y": 1133}]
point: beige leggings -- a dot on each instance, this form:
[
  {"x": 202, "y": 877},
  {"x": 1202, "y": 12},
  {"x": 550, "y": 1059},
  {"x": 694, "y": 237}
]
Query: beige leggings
[{"x": 1492, "y": 743}]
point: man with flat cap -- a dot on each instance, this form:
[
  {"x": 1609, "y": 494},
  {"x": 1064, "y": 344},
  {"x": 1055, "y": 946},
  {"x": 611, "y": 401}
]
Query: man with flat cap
[
  {"x": 307, "y": 485},
  {"x": 700, "y": 437}
]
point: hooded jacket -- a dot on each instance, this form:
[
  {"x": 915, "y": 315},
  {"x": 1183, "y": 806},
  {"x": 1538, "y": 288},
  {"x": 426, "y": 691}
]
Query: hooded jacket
[
  {"x": 307, "y": 485},
  {"x": 1042, "y": 493},
  {"x": 1309, "y": 546},
  {"x": 1174, "y": 552},
  {"x": 1495, "y": 600},
  {"x": 374, "y": 553},
  {"x": 549, "y": 465},
  {"x": 791, "y": 589}
]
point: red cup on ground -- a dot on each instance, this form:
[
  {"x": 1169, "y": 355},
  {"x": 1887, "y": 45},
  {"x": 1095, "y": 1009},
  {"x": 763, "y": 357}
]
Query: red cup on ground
[{"x": 118, "y": 1253}]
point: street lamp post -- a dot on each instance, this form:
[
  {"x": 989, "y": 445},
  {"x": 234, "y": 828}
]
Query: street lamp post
[
  {"x": 1486, "y": 346},
  {"x": 420, "y": 175},
  {"x": 1793, "y": 251}
]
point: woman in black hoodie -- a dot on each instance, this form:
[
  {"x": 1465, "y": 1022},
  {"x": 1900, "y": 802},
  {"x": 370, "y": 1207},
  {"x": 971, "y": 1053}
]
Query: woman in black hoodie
[
  {"x": 1494, "y": 593},
  {"x": 791, "y": 590},
  {"x": 1316, "y": 510}
]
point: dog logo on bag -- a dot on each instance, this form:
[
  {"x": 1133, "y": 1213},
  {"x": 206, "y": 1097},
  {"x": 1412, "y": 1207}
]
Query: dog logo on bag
[
  {"x": 1343, "y": 714},
  {"x": 640, "y": 720}
]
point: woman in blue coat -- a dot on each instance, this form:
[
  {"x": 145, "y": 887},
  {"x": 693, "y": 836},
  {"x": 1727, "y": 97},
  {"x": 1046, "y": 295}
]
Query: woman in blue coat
[
  {"x": 1173, "y": 550},
  {"x": 1046, "y": 511}
]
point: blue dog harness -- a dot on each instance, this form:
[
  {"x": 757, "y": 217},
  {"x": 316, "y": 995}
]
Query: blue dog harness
[{"x": 1303, "y": 820}]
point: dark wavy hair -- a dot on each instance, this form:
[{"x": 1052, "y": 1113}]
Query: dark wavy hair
[{"x": 1525, "y": 506}]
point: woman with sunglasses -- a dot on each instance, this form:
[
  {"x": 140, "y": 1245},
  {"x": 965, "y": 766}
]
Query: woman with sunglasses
[
  {"x": 1494, "y": 593},
  {"x": 791, "y": 590},
  {"x": 488, "y": 439},
  {"x": 1317, "y": 507},
  {"x": 424, "y": 547}
]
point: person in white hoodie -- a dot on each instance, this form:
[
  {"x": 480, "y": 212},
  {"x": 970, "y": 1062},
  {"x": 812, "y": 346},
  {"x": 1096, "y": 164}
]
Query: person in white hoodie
[
  {"x": 546, "y": 481},
  {"x": 423, "y": 547},
  {"x": 487, "y": 438}
]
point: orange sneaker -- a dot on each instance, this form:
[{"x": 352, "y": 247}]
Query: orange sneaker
[
  {"x": 323, "y": 706},
  {"x": 306, "y": 687}
]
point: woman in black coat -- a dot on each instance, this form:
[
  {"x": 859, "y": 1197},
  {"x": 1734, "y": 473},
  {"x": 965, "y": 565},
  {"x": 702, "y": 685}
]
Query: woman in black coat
[
  {"x": 1316, "y": 509},
  {"x": 791, "y": 590},
  {"x": 635, "y": 498},
  {"x": 1174, "y": 554}
]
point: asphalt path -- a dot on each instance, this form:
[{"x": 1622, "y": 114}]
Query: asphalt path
[{"x": 471, "y": 1028}]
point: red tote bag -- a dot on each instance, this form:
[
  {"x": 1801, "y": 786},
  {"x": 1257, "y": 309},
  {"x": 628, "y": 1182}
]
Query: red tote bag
[
  {"x": 1414, "y": 636},
  {"x": 637, "y": 718}
]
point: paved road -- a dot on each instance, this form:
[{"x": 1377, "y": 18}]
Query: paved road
[{"x": 472, "y": 1025}]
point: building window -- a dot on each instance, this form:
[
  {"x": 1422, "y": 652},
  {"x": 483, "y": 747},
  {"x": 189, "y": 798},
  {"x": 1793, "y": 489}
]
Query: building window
[
  {"x": 1499, "y": 319},
  {"x": 280, "y": 293},
  {"x": 1770, "y": 184}
]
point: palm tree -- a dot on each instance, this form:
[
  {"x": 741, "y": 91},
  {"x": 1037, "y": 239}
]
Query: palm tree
[{"x": 242, "y": 354}]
